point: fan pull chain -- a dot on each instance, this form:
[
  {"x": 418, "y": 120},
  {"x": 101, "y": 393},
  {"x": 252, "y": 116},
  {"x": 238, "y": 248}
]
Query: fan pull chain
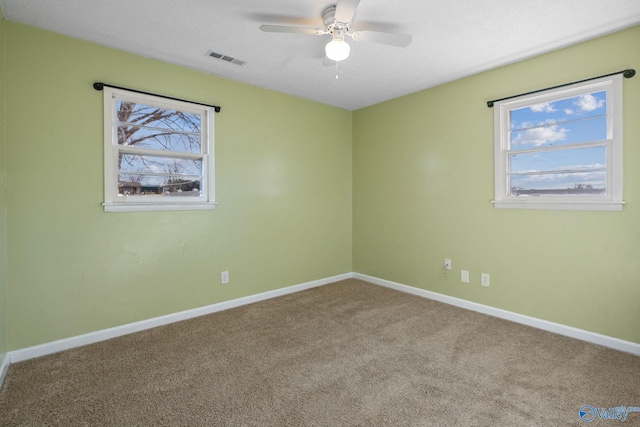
[{"x": 338, "y": 70}]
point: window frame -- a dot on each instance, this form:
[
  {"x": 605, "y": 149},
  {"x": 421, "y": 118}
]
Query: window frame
[
  {"x": 113, "y": 201},
  {"x": 612, "y": 200}
]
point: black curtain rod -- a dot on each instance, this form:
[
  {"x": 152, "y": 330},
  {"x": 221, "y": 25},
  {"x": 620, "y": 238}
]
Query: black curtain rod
[
  {"x": 626, "y": 73},
  {"x": 100, "y": 86}
]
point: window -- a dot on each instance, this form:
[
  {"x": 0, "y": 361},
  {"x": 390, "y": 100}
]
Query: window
[
  {"x": 561, "y": 149},
  {"x": 158, "y": 153}
]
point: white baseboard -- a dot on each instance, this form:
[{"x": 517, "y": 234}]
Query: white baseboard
[
  {"x": 4, "y": 365},
  {"x": 105, "y": 334},
  {"x": 569, "y": 331}
]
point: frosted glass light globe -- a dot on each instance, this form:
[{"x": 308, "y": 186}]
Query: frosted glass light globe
[{"x": 337, "y": 49}]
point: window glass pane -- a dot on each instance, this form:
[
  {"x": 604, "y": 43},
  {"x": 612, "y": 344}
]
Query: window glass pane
[
  {"x": 158, "y": 128},
  {"x": 147, "y": 115},
  {"x": 577, "y": 159},
  {"x": 561, "y": 184},
  {"x": 134, "y": 163},
  {"x": 566, "y": 121},
  {"x": 550, "y": 135},
  {"x": 159, "y": 185},
  {"x": 159, "y": 139}
]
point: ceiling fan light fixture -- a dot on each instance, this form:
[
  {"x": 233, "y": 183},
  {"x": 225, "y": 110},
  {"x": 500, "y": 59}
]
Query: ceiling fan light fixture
[{"x": 337, "y": 49}]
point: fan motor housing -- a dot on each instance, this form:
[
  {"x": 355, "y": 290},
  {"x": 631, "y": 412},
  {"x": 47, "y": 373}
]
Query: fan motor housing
[
  {"x": 330, "y": 23},
  {"x": 329, "y": 16}
]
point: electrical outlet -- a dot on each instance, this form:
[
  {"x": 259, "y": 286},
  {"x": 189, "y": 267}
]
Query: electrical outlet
[
  {"x": 224, "y": 277},
  {"x": 447, "y": 264},
  {"x": 485, "y": 279},
  {"x": 464, "y": 276}
]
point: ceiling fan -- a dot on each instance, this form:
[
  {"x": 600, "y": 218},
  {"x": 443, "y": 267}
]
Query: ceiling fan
[{"x": 337, "y": 22}]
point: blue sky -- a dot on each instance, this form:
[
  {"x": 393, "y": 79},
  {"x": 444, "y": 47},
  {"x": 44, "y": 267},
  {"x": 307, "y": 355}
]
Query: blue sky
[{"x": 561, "y": 123}]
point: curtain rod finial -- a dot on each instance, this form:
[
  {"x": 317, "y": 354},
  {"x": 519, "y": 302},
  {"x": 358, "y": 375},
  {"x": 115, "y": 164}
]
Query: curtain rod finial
[
  {"x": 98, "y": 86},
  {"x": 629, "y": 73}
]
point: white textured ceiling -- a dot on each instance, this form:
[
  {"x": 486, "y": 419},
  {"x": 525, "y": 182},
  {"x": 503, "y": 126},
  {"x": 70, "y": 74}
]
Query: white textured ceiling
[{"x": 451, "y": 38}]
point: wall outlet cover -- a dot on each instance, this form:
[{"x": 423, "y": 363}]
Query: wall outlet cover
[
  {"x": 464, "y": 276},
  {"x": 485, "y": 280}
]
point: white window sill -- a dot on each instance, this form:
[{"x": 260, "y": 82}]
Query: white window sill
[
  {"x": 150, "y": 207},
  {"x": 559, "y": 205}
]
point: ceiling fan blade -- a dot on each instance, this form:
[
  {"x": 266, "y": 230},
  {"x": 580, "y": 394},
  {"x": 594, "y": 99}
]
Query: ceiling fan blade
[
  {"x": 391, "y": 39},
  {"x": 287, "y": 29},
  {"x": 345, "y": 9}
]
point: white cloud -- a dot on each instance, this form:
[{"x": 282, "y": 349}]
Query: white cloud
[
  {"x": 522, "y": 125},
  {"x": 540, "y": 136},
  {"x": 568, "y": 111},
  {"x": 545, "y": 107},
  {"x": 589, "y": 102},
  {"x": 585, "y": 167}
]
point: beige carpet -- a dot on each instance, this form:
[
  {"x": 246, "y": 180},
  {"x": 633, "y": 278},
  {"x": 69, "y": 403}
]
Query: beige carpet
[{"x": 345, "y": 354}]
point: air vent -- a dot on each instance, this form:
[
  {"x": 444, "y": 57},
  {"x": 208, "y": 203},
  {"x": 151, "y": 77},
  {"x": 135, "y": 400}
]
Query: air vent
[{"x": 226, "y": 58}]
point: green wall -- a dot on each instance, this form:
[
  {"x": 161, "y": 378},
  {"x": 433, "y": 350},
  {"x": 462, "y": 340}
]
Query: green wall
[
  {"x": 283, "y": 187},
  {"x": 3, "y": 207},
  {"x": 423, "y": 185}
]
